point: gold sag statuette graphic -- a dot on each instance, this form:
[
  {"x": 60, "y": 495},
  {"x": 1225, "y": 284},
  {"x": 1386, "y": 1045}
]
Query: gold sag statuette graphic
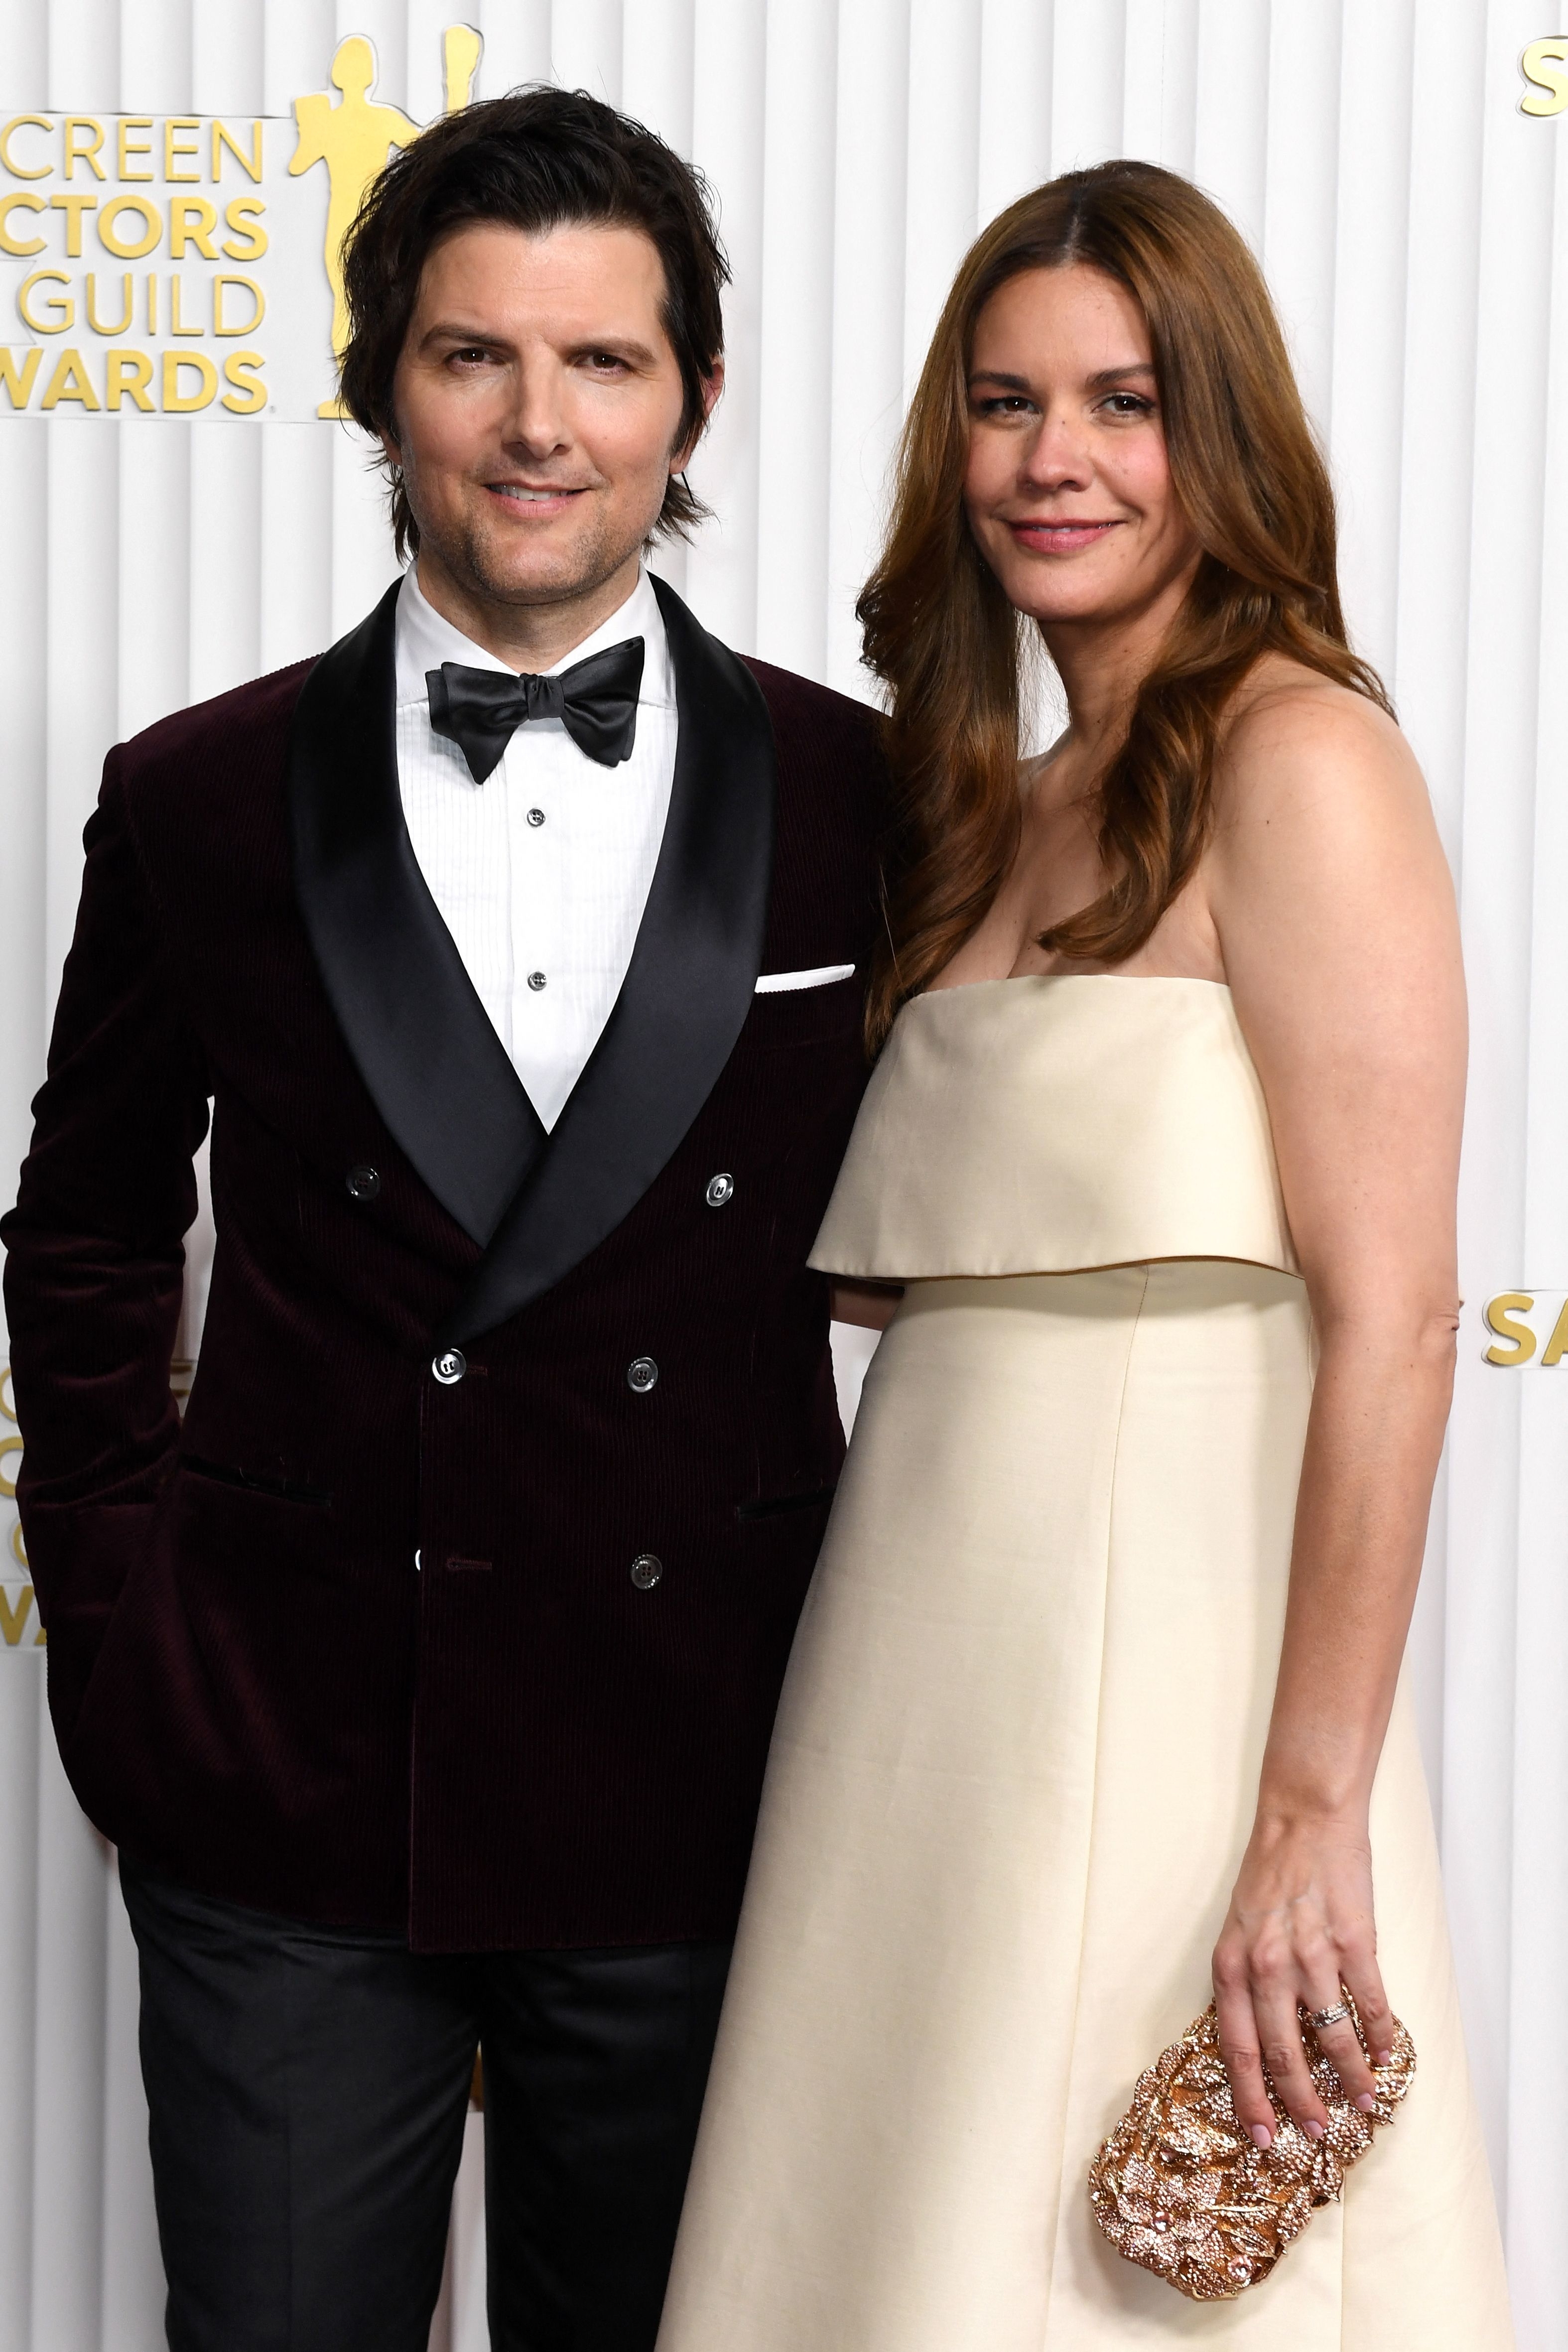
[
  {"x": 353, "y": 139},
  {"x": 1545, "y": 66}
]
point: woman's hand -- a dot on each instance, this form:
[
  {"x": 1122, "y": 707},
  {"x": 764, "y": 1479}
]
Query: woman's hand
[{"x": 1298, "y": 1928}]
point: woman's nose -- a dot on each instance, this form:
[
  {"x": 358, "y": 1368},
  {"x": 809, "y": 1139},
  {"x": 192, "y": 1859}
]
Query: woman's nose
[{"x": 1059, "y": 455}]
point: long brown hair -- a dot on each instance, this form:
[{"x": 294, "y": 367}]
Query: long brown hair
[{"x": 941, "y": 636}]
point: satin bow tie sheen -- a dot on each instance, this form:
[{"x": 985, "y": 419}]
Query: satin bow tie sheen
[{"x": 596, "y": 701}]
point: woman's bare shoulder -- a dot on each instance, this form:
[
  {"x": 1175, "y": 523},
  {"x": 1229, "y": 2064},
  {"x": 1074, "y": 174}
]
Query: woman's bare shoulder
[
  {"x": 1284, "y": 707},
  {"x": 1321, "y": 817},
  {"x": 1291, "y": 731}
]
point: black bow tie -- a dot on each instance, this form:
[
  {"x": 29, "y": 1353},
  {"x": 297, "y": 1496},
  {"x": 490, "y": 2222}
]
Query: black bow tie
[{"x": 596, "y": 701}]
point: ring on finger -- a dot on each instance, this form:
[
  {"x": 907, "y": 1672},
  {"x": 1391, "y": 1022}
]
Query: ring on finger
[{"x": 1335, "y": 2014}]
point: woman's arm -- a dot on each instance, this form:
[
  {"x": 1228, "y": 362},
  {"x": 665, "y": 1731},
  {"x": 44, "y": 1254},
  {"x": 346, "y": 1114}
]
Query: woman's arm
[
  {"x": 872, "y": 1304},
  {"x": 1336, "y": 918}
]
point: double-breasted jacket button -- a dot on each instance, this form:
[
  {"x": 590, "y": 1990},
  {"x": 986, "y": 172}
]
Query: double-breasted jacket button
[
  {"x": 450, "y": 1366},
  {"x": 646, "y": 1570},
  {"x": 641, "y": 1374},
  {"x": 721, "y": 1190},
  {"x": 364, "y": 1183}
]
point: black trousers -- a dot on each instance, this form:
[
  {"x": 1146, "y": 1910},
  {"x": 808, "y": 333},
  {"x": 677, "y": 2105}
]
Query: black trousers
[{"x": 308, "y": 2086}]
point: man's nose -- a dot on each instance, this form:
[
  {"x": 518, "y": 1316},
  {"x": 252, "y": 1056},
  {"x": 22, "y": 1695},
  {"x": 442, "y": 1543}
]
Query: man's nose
[{"x": 537, "y": 422}]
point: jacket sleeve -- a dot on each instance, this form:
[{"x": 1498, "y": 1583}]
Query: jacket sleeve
[{"x": 95, "y": 1245}]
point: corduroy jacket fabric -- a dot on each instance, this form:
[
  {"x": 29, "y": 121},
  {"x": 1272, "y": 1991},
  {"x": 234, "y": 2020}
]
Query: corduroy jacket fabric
[{"x": 356, "y": 1643}]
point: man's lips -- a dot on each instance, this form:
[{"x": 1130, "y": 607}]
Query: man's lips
[
  {"x": 534, "y": 499},
  {"x": 1050, "y": 538}
]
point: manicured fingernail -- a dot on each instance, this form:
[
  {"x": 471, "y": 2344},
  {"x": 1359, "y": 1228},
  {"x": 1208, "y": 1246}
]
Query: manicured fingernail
[
  {"x": 1385, "y": 2057},
  {"x": 1313, "y": 2131},
  {"x": 1262, "y": 2134},
  {"x": 1366, "y": 2103}
]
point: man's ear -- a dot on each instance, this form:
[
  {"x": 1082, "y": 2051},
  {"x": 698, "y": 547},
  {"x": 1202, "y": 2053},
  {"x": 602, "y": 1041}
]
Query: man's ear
[
  {"x": 394, "y": 453},
  {"x": 712, "y": 389}
]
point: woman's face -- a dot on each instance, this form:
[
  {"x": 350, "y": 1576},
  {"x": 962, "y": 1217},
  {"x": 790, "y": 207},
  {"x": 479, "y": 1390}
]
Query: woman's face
[{"x": 1068, "y": 488}]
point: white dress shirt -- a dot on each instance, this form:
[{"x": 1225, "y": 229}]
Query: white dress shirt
[{"x": 542, "y": 873}]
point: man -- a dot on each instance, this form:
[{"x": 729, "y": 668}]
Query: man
[{"x": 425, "y": 1676}]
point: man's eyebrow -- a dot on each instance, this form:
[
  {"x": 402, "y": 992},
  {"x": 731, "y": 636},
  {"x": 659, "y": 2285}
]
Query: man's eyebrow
[
  {"x": 625, "y": 347},
  {"x": 460, "y": 332}
]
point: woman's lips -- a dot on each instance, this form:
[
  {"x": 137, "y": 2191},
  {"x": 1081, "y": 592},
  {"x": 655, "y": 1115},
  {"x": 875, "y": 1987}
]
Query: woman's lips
[{"x": 1059, "y": 538}]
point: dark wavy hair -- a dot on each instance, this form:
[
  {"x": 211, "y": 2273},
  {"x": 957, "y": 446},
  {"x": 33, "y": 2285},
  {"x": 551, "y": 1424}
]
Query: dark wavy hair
[
  {"x": 941, "y": 636},
  {"x": 537, "y": 160}
]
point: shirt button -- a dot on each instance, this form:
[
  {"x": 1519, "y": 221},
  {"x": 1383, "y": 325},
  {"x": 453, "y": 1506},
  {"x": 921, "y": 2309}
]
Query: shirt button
[
  {"x": 641, "y": 1374},
  {"x": 536, "y": 816},
  {"x": 646, "y": 1570},
  {"x": 720, "y": 1190},
  {"x": 364, "y": 1183},
  {"x": 536, "y": 979},
  {"x": 450, "y": 1366}
]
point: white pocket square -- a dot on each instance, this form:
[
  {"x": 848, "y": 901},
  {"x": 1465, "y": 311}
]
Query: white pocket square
[{"x": 821, "y": 975}]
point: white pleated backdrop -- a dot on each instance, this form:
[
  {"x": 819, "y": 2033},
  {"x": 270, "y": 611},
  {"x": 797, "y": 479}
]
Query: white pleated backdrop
[{"x": 1415, "y": 228}]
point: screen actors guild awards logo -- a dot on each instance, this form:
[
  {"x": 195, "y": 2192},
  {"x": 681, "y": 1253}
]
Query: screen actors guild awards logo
[
  {"x": 161, "y": 340},
  {"x": 18, "y": 1629},
  {"x": 1517, "y": 1323},
  {"x": 20, "y": 1626},
  {"x": 1544, "y": 67}
]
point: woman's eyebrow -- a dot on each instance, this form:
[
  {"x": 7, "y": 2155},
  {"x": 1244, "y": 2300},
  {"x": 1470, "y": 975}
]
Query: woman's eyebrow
[
  {"x": 1096, "y": 382},
  {"x": 1104, "y": 376}
]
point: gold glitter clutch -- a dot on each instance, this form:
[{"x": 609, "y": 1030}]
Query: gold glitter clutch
[{"x": 1182, "y": 2188}]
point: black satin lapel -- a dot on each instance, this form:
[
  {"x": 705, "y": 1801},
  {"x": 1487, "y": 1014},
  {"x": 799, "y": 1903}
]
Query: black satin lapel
[
  {"x": 687, "y": 992},
  {"x": 421, "y": 1039}
]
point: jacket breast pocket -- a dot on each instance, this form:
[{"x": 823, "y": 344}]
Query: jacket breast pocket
[
  {"x": 784, "y": 1506},
  {"x": 795, "y": 983},
  {"x": 806, "y": 1016}
]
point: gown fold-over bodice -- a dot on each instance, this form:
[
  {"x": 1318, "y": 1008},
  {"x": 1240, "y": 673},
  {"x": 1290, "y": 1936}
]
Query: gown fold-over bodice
[{"x": 1048, "y": 1124}]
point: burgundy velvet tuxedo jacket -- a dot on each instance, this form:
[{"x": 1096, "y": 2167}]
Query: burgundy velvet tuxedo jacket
[{"x": 359, "y": 1643}]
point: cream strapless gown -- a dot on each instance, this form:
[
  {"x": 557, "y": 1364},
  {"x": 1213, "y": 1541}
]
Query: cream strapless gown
[{"x": 1018, "y": 1752}]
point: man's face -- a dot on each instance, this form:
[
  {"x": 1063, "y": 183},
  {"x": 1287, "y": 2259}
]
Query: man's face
[{"x": 537, "y": 401}]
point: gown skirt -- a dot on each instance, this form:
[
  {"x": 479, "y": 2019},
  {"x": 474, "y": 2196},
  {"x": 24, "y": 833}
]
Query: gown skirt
[{"x": 1012, "y": 1779}]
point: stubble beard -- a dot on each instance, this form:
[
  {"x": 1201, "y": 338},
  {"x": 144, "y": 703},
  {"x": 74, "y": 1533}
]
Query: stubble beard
[{"x": 467, "y": 554}]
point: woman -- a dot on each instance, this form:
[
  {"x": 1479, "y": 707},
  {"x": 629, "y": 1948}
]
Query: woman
[{"x": 1097, "y": 1694}]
